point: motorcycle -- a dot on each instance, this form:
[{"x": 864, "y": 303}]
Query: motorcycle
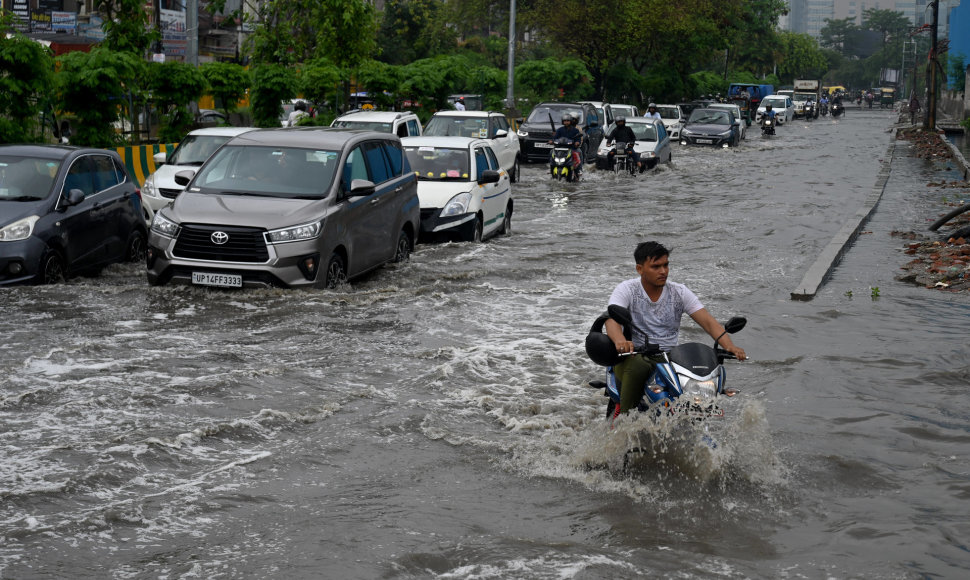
[
  {"x": 837, "y": 109},
  {"x": 688, "y": 380},
  {"x": 809, "y": 111},
  {"x": 767, "y": 126},
  {"x": 622, "y": 156},
  {"x": 564, "y": 163},
  {"x": 824, "y": 109}
]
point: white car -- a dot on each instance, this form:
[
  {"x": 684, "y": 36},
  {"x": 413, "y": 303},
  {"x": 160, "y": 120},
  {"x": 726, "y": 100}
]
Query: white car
[
  {"x": 400, "y": 123},
  {"x": 464, "y": 193},
  {"x": 160, "y": 188},
  {"x": 782, "y": 106},
  {"x": 737, "y": 115},
  {"x": 489, "y": 125},
  {"x": 653, "y": 143},
  {"x": 628, "y": 111},
  {"x": 673, "y": 118}
]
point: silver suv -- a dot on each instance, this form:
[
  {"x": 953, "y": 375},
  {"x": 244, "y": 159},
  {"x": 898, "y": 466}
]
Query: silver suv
[{"x": 294, "y": 207}]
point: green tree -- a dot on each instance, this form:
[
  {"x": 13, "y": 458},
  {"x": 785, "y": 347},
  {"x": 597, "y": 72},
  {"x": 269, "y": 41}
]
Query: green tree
[
  {"x": 888, "y": 23},
  {"x": 414, "y": 29},
  {"x": 429, "y": 81},
  {"x": 272, "y": 84},
  {"x": 956, "y": 70},
  {"x": 839, "y": 35},
  {"x": 227, "y": 83},
  {"x": 173, "y": 85},
  {"x": 126, "y": 26},
  {"x": 93, "y": 85},
  {"x": 800, "y": 57},
  {"x": 320, "y": 82},
  {"x": 26, "y": 78},
  {"x": 381, "y": 81}
]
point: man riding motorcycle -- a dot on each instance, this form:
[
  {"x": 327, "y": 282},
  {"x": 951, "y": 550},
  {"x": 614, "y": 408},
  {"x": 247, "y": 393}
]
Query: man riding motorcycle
[
  {"x": 622, "y": 133},
  {"x": 570, "y": 131}
]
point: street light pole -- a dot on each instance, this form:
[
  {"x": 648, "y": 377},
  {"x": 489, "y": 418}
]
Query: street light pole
[
  {"x": 930, "y": 122},
  {"x": 510, "y": 91}
]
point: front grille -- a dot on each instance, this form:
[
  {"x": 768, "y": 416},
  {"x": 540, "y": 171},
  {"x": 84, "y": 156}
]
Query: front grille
[
  {"x": 541, "y": 135},
  {"x": 169, "y": 193},
  {"x": 244, "y": 244}
]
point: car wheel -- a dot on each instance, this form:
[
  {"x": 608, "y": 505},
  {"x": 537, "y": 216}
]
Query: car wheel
[
  {"x": 336, "y": 271},
  {"x": 51, "y": 268},
  {"x": 136, "y": 247},
  {"x": 476, "y": 234},
  {"x": 514, "y": 174},
  {"x": 403, "y": 253},
  {"x": 506, "y": 229}
]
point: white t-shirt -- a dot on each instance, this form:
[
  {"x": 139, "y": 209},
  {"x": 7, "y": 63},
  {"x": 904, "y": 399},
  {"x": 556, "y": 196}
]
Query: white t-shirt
[{"x": 660, "y": 319}]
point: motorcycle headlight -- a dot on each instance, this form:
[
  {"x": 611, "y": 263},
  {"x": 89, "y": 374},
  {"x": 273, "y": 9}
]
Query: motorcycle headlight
[
  {"x": 164, "y": 226},
  {"x": 294, "y": 234},
  {"x": 457, "y": 205},
  {"x": 700, "y": 391},
  {"x": 19, "y": 230}
]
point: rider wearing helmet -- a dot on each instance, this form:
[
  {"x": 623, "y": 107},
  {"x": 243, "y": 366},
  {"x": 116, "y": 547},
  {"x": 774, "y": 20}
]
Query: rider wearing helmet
[
  {"x": 768, "y": 112},
  {"x": 652, "y": 111},
  {"x": 570, "y": 131},
  {"x": 623, "y": 134}
]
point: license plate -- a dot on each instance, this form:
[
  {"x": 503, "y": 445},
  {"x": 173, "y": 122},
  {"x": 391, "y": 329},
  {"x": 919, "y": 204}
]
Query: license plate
[
  {"x": 707, "y": 141},
  {"x": 543, "y": 146},
  {"x": 222, "y": 280}
]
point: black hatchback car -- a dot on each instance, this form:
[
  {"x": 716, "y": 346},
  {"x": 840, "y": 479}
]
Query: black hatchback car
[
  {"x": 64, "y": 211},
  {"x": 537, "y": 130}
]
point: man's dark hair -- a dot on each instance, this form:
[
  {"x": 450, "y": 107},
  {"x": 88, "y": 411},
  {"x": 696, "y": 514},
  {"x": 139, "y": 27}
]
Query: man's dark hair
[{"x": 649, "y": 251}]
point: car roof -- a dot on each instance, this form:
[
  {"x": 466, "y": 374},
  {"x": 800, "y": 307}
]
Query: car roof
[
  {"x": 223, "y": 131},
  {"x": 47, "y": 151},
  {"x": 308, "y": 137},
  {"x": 472, "y": 114},
  {"x": 643, "y": 120},
  {"x": 449, "y": 142},
  {"x": 380, "y": 116}
]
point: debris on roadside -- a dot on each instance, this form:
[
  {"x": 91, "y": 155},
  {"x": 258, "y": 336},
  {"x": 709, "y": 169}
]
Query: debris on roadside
[
  {"x": 943, "y": 265},
  {"x": 927, "y": 145}
]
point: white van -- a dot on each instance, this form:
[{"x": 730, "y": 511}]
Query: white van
[{"x": 400, "y": 123}]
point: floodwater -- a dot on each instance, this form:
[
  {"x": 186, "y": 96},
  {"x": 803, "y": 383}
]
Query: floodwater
[{"x": 432, "y": 419}]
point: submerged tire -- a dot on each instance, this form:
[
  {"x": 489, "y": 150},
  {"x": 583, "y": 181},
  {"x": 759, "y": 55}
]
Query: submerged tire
[
  {"x": 403, "y": 252},
  {"x": 51, "y": 268},
  {"x": 336, "y": 271}
]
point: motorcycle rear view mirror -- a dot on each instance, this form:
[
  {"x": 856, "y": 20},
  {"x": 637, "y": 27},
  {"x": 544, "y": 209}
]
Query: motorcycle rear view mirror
[{"x": 735, "y": 324}]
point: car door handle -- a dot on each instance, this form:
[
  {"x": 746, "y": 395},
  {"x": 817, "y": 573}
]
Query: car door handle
[{"x": 375, "y": 200}]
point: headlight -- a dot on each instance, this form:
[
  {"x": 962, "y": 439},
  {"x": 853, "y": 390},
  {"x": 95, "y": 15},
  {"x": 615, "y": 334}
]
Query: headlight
[
  {"x": 522, "y": 133},
  {"x": 294, "y": 234},
  {"x": 457, "y": 205},
  {"x": 149, "y": 187},
  {"x": 699, "y": 391},
  {"x": 686, "y": 132},
  {"x": 19, "y": 230},
  {"x": 164, "y": 226},
  {"x": 725, "y": 134},
  {"x": 648, "y": 154}
]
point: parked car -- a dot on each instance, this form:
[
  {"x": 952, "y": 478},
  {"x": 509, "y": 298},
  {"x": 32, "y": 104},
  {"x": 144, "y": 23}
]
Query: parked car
[
  {"x": 400, "y": 123},
  {"x": 653, "y": 143},
  {"x": 621, "y": 109},
  {"x": 711, "y": 127},
  {"x": 673, "y": 118},
  {"x": 489, "y": 125},
  {"x": 736, "y": 110},
  {"x": 782, "y": 106},
  {"x": 65, "y": 211},
  {"x": 537, "y": 130},
  {"x": 160, "y": 188},
  {"x": 465, "y": 194},
  {"x": 211, "y": 118},
  {"x": 297, "y": 207}
]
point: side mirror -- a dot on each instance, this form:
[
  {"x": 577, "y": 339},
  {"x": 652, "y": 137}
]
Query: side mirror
[
  {"x": 500, "y": 133},
  {"x": 74, "y": 197},
  {"x": 361, "y": 187},
  {"x": 160, "y": 158},
  {"x": 735, "y": 324},
  {"x": 488, "y": 176},
  {"x": 184, "y": 177}
]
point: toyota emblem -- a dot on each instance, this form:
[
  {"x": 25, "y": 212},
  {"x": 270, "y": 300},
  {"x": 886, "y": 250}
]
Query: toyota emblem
[{"x": 219, "y": 238}]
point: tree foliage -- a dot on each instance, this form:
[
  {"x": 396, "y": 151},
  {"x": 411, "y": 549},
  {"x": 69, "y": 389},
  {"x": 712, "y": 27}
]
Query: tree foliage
[
  {"x": 227, "y": 82},
  {"x": 414, "y": 29},
  {"x": 126, "y": 26},
  {"x": 551, "y": 78},
  {"x": 26, "y": 78},
  {"x": 173, "y": 85},
  {"x": 272, "y": 84},
  {"x": 93, "y": 86}
]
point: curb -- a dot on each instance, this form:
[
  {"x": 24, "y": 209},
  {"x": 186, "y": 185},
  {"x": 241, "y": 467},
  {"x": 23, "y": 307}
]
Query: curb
[
  {"x": 830, "y": 257},
  {"x": 958, "y": 157}
]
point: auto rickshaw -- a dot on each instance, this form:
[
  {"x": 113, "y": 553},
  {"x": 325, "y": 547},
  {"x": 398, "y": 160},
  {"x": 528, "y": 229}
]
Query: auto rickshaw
[{"x": 887, "y": 98}]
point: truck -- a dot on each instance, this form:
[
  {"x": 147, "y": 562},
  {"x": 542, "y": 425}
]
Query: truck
[
  {"x": 806, "y": 89},
  {"x": 749, "y": 104}
]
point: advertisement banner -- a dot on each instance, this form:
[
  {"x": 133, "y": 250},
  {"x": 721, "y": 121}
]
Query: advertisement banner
[
  {"x": 40, "y": 21},
  {"x": 66, "y": 21},
  {"x": 173, "y": 32}
]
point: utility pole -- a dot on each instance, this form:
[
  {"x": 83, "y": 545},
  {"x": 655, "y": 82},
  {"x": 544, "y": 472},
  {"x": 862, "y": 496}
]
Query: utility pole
[
  {"x": 192, "y": 32},
  {"x": 510, "y": 91},
  {"x": 929, "y": 123}
]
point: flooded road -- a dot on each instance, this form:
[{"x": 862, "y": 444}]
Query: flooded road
[{"x": 431, "y": 420}]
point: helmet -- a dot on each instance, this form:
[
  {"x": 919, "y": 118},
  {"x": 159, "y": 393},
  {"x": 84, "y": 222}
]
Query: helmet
[
  {"x": 300, "y": 106},
  {"x": 599, "y": 348},
  {"x": 652, "y": 106},
  {"x": 568, "y": 117},
  {"x": 768, "y": 106},
  {"x": 620, "y": 119}
]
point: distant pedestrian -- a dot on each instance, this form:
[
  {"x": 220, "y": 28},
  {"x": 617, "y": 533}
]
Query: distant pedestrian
[
  {"x": 914, "y": 109},
  {"x": 460, "y": 104}
]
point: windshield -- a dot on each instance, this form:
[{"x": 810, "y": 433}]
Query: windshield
[
  {"x": 775, "y": 103},
  {"x": 541, "y": 114},
  {"x": 269, "y": 171},
  {"x": 25, "y": 178},
  {"x": 195, "y": 149},
  {"x": 803, "y": 97},
  {"x": 438, "y": 163},
  {"x": 710, "y": 117},
  {"x": 669, "y": 112},
  {"x": 445, "y": 126},
  {"x": 644, "y": 131},
  {"x": 366, "y": 125}
]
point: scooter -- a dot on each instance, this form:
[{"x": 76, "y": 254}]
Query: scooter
[
  {"x": 824, "y": 109},
  {"x": 809, "y": 111},
  {"x": 563, "y": 163},
  {"x": 689, "y": 379},
  {"x": 837, "y": 109},
  {"x": 767, "y": 126},
  {"x": 622, "y": 155}
]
